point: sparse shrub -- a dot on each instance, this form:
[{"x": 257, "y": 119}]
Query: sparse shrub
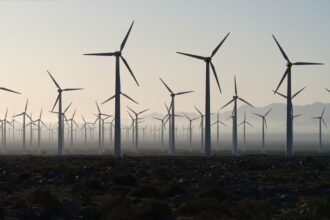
[
  {"x": 173, "y": 190},
  {"x": 215, "y": 192},
  {"x": 147, "y": 192},
  {"x": 44, "y": 198},
  {"x": 126, "y": 180},
  {"x": 161, "y": 173},
  {"x": 151, "y": 209}
]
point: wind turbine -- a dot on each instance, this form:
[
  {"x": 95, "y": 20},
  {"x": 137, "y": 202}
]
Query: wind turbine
[
  {"x": 101, "y": 127},
  {"x": 202, "y": 129},
  {"x": 39, "y": 129},
  {"x": 24, "y": 114},
  {"x": 136, "y": 125},
  {"x": 234, "y": 115},
  {"x": 208, "y": 61},
  {"x": 264, "y": 124},
  {"x": 190, "y": 128},
  {"x": 72, "y": 121},
  {"x": 133, "y": 127},
  {"x": 244, "y": 123},
  {"x": 162, "y": 121},
  {"x": 118, "y": 55},
  {"x": 321, "y": 120},
  {"x": 172, "y": 94},
  {"x": 60, "y": 118},
  {"x": 4, "y": 131},
  {"x": 287, "y": 73},
  {"x": 85, "y": 129},
  {"x": 217, "y": 123}
]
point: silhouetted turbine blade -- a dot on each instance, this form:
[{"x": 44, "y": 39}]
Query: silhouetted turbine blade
[
  {"x": 191, "y": 55},
  {"x": 198, "y": 110},
  {"x": 323, "y": 112},
  {"x": 73, "y": 89},
  {"x": 294, "y": 95},
  {"x": 17, "y": 115},
  {"x": 240, "y": 123},
  {"x": 129, "y": 98},
  {"x": 26, "y": 105},
  {"x": 283, "y": 77},
  {"x": 143, "y": 111},
  {"x": 29, "y": 117},
  {"x": 129, "y": 69},
  {"x": 284, "y": 96},
  {"x": 258, "y": 115},
  {"x": 168, "y": 88},
  {"x": 187, "y": 116},
  {"x": 223, "y": 123},
  {"x": 74, "y": 113},
  {"x": 54, "y": 80},
  {"x": 268, "y": 112},
  {"x": 227, "y": 104},
  {"x": 157, "y": 118},
  {"x": 327, "y": 89},
  {"x": 98, "y": 108},
  {"x": 306, "y": 63},
  {"x": 132, "y": 110},
  {"x": 195, "y": 118},
  {"x": 125, "y": 39},
  {"x": 324, "y": 123},
  {"x": 245, "y": 102},
  {"x": 67, "y": 108},
  {"x": 181, "y": 93},
  {"x": 99, "y": 54},
  {"x": 108, "y": 99},
  {"x": 217, "y": 48},
  {"x": 130, "y": 115},
  {"x": 216, "y": 76},
  {"x": 265, "y": 123},
  {"x": 58, "y": 97},
  {"x": 9, "y": 90},
  {"x": 296, "y": 116},
  {"x": 235, "y": 85},
  {"x": 249, "y": 123},
  {"x": 282, "y": 51},
  {"x": 215, "y": 123}
]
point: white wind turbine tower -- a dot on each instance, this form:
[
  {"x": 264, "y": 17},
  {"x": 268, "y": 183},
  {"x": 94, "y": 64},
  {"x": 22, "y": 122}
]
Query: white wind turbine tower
[
  {"x": 244, "y": 123},
  {"x": 263, "y": 126}
]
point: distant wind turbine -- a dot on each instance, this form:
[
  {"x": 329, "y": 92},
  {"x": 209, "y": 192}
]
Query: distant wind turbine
[
  {"x": 321, "y": 120},
  {"x": 264, "y": 124},
  {"x": 244, "y": 123},
  {"x": 208, "y": 61},
  {"x": 172, "y": 94},
  {"x": 234, "y": 115},
  {"x": 190, "y": 128},
  {"x": 217, "y": 122},
  {"x": 24, "y": 114},
  {"x": 136, "y": 125},
  {"x": 289, "y": 124},
  {"x": 60, "y": 118}
]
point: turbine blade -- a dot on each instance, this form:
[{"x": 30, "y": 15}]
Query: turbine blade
[
  {"x": 198, "y": 110},
  {"x": 129, "y": 69},
  {"x": 125, "y": 39},
  {"x": 40, "y": 114},
  {"x": 235, "y": 85},
  {"x": 240, "y": 123},
  {"x": 74, "y": 113},
  {"x": 132, "y": 110},
  {"x": 223, "y": 123},
  {"x": 58, "y": 97},
  {"x": 9, "y": 90},
  {"x": 227, "y": 104},
  {"x": 67, "y": 108},
  {"x": 283, "y": 77},
  {"x": 306, "y": 63},
  {"x": 83, "y": 119},
  {"x": 268, "y": 112},
  {"x": 129, "y": 98},
  {"x": 215, "y": 123},
  {"x": 245, "y": 102},
  {"x": 54, "y": 80},
  {"x": 181, "y": 93},
  {"x": 17, "y": 115},
  {"x": 258, "y": 115},
  {"x": 249, "y": 123},
  {"x": 168, "y": 88},
  {"x": 217, "y": 48},
  {"x": 265, "y": 121},
  {"x": 327, "y": 89},
  {"x": 324, "y": 123},
  {"x": 130, "y": 115},
  {"x": 278, "y": 93},
  {"x": 282, "y": 51},
  {"x": 26, "y": 105},
  {"x": 99, "y": 54},
  {"x": 98, "y": 108},
  {"x": 294, "y": 95},
  {"x": 216, "y": 76},
  {"x": 143, "y": 111},
  {"x": 191, "y": 55},
  {"x": 73, "y": 89},
  {"x": 323, "y": 112},
  {"x": 186, "y": 116},
  {"x": 108, "y": 99}
]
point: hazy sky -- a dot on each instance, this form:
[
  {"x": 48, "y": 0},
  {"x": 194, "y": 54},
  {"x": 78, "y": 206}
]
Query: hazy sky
[{"x": 40, "y": 35}]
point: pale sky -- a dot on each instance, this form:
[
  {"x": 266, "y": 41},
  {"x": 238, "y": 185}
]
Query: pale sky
[{"x": 52, "y": 35}]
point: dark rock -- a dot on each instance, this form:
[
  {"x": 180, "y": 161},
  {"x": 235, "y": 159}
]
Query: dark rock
[
  {"x": 147, "y": 192},
  {"x": 126, "y": 180},
  {"x": 180, "y": 199},
  {"x": 150, "y": 210},
  {"x": 90, "y": 212},
  {"x": 26, "y": 214},
  {"x": 7, "y": 187},
  {"x": 173, "y": 190},
  {"x": 215, "y": 192},
  {"x": 16, "y": 202}
]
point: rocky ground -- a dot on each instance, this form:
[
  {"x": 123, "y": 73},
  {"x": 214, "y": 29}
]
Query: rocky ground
[{"x": 91, "y": 187}]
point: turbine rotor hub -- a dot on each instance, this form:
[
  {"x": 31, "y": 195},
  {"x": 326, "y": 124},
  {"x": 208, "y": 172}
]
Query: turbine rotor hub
[
  {"x": 208, "y": 59},
  {"x": 235, "y": 97},
  {"x": 118, "y": 53},
  {"x": 289, "y": 64}
]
